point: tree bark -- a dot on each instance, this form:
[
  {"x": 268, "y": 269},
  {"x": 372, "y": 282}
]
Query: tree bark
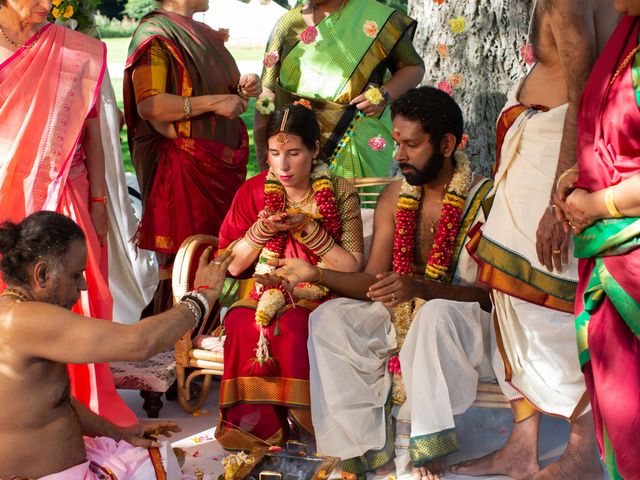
[{"x": 487, "y": 55}]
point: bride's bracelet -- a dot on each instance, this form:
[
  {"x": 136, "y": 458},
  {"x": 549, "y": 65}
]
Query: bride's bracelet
[
  {"x": 318, "y": 240},
  {"x": 258, "y": 235}
]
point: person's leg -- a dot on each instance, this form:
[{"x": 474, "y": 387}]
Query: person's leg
[{"x": 518, "y": 458}]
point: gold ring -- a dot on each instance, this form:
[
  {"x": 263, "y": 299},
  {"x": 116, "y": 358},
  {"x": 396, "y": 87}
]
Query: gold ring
[
  {"x": 556, "y": 251},
  {"x": 393, "y": 296},
  {"x": 215, "y": 262}
]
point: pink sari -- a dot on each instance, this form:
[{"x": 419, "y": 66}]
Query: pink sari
[
  {"x": 46, "y": 93},
  {"x": 608, "y": 153}
]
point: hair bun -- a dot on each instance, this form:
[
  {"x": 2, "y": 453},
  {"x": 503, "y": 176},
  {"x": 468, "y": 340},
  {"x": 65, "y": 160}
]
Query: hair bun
[{"x": 9, "y": 236}]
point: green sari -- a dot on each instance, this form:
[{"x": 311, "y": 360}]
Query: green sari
[{"x": 354, "y": 48}]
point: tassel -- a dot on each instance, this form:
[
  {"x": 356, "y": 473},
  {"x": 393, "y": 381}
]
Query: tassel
[
  {"x": 276, "y": 330},
  {"x": 263, "y": 364}
]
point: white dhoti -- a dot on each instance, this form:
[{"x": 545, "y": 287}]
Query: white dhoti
[{"x": 535, "y": 336}]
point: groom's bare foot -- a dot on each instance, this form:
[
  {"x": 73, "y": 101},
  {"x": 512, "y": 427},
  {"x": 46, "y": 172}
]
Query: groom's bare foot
[
  {"x": 580, "y": 460},
  {"x": 517, "y": 459},
  {"x": 431, "y": 470}
]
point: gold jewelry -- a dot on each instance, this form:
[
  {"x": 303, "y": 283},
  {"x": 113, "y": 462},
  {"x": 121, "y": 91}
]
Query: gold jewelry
[
  {"x": 393, "y": 296},
  {"x": 308, "y": 198},
  {"x": 281, "y": 137},
  {"x": 624, "y": 63},
  {"x": 611, "y": 204},
  {"x": 573, "y": 169},
  {"x": 12, "y": 292},
  {"x": 20, "y": 45},
  {"x": 555, "y": 251},
  {"x": 186, "y": 105},
  {"x": 321, "y": 273}
]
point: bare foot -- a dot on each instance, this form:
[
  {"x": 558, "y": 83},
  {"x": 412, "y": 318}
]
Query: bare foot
[
  {"x": 385, "y": 469},
  {"x": 517, "y": 459},
  {"x": 431, "y": 470},
  {"x": 580, "y": 460}
]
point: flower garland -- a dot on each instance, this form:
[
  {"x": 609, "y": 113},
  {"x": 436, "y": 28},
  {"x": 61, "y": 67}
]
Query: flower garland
[
  {"x": 440, "y": 255},
  {"x": 272, "y": 299}
]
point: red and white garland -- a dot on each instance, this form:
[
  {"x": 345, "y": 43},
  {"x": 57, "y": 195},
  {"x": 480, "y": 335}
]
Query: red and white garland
[{"x": 272, "y": 299}]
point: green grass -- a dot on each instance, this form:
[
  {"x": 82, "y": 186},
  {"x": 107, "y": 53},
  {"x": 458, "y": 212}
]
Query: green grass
[{"x": 117, "y": 53}]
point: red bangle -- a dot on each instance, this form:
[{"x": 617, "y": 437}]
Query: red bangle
[
  {"x": 202, "y": 287},
  {"x": 98, "y": 199}
]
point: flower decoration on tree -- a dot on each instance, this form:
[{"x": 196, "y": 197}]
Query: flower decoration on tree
[
  {"x": 457, "y": 25},
  {"x": 527, "y": 54},
  {"x": 270, "y": 59},
  {"x": 463, "y": 142},
  {"x": 445, "y": 86},
  {"x": 442, "y": 50},
  {"x": 304, "y": 102},
  {"x": 439, "y": 2},
  {"x": 377, "y": 143},
  {"x": 374, "y": 96},
  {"x": 264, "y": 106},
  {"x": 309, "y": 35},
  {"x": 456, "y": 80},
  {"x": 370, "y": 29}
]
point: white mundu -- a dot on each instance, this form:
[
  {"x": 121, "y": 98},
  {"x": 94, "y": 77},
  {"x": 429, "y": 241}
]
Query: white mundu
[
  {"x": 537, "y": 343},
  {"x": 445, "y": 352}
]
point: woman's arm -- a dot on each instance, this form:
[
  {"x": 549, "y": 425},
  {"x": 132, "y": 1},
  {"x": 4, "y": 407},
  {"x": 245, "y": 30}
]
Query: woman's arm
[
  {"x": 92, "y": 145},
  {"x": 166, "y": 107}
]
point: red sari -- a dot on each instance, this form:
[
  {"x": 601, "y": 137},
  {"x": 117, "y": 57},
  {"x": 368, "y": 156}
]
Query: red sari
[
  {"x": 608, "y": 153},
  {"x": 256, "y": 402}
]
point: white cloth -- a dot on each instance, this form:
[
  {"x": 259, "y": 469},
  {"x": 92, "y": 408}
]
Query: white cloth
[
  {"x": 133, "y": 275},
  {"x": 540, "y": 345},
  {"x": 523, "y": 183}
]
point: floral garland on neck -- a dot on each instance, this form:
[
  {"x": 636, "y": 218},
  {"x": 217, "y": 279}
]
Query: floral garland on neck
[
  {"x": 271, "y": 300},
  {"x": 440, "y": 255}
]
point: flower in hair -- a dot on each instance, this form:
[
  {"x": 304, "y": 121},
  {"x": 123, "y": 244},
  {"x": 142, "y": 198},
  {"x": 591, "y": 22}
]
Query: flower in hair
[
  {"x": 457, "y": 25},
  {"x": 264, "y": 105},
  {"x": 309, "y": 35},
  {"x": 377, "y": 143},
  {"x": 271, "y": 58},
  {"x": 370, "y": 29},
  {"x": 304, "y": 102}
]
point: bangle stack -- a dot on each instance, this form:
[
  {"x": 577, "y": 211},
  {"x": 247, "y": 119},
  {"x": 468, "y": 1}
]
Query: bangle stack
[
  {"x": 186, "y": 105},
  {"x": 242, "y": 92},
  {"x": 198, "y": 304},
  {"x": 318, "y": 240},
  {"x": 611, "y": 204},
  {"x": 258, "y": 235}
]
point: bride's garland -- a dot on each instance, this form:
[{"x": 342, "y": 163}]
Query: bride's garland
[
  {"x": 440, "y": 255},
  {"x": 272, "y": 299}
]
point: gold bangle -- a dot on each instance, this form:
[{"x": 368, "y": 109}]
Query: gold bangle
[
  {"x": 186, "y": 105},
  {"x": 321, "y": 279},
  {"x": 564, "y": 174},
  {"x": 611, "y": 204}
]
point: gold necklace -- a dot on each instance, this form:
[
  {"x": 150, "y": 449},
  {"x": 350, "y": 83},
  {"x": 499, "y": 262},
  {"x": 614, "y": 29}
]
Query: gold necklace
[
  {"x": 12, "y": 292},
  {"x": 624, "y": 63},
  {"x": 306, "y": 200},
  {"x": 20, "y": 45}
]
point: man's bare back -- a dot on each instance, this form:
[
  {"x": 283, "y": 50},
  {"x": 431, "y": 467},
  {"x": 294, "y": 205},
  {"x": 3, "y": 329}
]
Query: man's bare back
[
  {"x": 547, "y": 82},
  {"x": 39, "y": 407}
]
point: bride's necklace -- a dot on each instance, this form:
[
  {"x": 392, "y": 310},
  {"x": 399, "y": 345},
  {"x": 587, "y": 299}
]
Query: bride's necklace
[
  {"x": 16, "y": 44},
  {"x": 300, "y": 203}
]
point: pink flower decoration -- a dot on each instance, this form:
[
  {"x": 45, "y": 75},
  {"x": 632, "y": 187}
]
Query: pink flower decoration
[
  {"x": 377, "y": 143},
  {"x": 445, "y": 86},
  {"x": 370, "y": 29},
  {"x": 309, "y": 35},
  {"x": 394, "y": 365},
  {"x": 270, "y": 59},
  {"x": 527, "y": 54},
  {"x": 463, "y": 142}
]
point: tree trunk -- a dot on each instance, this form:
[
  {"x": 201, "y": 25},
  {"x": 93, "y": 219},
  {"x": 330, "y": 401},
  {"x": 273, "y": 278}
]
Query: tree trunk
[{"x": 486, "y": 55}]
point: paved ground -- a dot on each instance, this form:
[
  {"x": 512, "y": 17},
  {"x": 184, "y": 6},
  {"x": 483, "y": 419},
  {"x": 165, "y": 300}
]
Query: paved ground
[{"x": 480, "y": 431}]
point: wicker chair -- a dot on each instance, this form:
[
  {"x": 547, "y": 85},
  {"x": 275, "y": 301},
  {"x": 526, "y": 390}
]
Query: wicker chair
[{"x": 209, "y": 362}]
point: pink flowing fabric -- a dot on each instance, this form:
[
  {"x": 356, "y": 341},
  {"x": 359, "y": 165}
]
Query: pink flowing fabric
[
  {"x": 609, "y": 152},
  {"x": 46, "y": 93}
]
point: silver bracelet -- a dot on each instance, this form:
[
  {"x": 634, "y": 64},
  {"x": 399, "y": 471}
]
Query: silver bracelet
[
  {"x": 203, "y": 299},
  {"x": 195, "y": 310}
]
